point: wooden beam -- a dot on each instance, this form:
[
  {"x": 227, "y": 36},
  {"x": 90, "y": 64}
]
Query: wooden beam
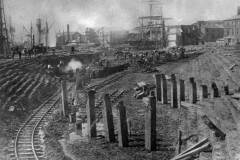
[
  {"x": 64, "y": 98},
  {"x": 150, "y": 123},
  {"x": 193, "y": 152},
  {"x": 218, "y": 132},
  {"x": 91, "y": 118},
  {"x": 164, "y": 97},
  {"x": 179, "y": 143},
  {"x": 158, "y": 86},
  {"x": 174, "y": 98},
  {"x": 108, "y": 119},
  {"x": 193, "y": 91},
  {"x": 197, "y": 145},
  {"x": 122, "y": 125}
]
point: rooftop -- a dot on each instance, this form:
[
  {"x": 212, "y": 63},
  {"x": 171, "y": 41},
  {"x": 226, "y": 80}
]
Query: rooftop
[{"x": 233, "y": 18}]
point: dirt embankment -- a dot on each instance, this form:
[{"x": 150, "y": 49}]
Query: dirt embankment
[
  {"x": 24, "y": 86},
  {"x": 54, "y": 131}
]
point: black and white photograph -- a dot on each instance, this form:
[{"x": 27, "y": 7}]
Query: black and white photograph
[{"x": 119, "y": 79}]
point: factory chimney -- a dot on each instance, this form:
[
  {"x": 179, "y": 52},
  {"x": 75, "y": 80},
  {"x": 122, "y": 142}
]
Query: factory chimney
[
  {"x": 238, "y": 10},
  {"x": 39, "y": 30},
  {"x": 68, "y": 33}
]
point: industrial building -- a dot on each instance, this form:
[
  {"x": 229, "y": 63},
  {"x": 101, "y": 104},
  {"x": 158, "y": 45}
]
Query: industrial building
[
  {"x": 182, "y": 35},
  {"x": 232, "y": 29},
  {"x": 211, "y": 30},
  {"x": 199, "y": 32},
  {"x": 74, "y": 37}
]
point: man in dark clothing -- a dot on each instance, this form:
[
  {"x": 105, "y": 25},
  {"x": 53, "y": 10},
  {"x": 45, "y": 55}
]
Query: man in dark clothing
[
  {"x": 13, "y": 52},
  {"x": 19, "y": 53},
  {"x": 72, "y": 50}
]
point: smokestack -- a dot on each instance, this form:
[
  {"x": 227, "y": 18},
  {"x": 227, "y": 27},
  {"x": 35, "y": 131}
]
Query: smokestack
[
  {"x": 238, "y": 10},
  {"x": 68, "y": 33},
  {"x": 39, "y": 30}
]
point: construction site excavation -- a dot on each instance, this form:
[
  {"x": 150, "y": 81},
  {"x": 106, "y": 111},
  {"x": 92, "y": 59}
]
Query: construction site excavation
[{"x": 119, "y": 80}]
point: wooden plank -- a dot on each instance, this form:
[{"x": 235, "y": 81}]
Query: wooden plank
[
  {"x": 218, "y": 132},
  {"x": 158, "y": 86},
  {"x": 235, "y": 110},
  {"x": 193, "y": 91},
  {"x": 174, "y": 98},
  {"x": 108, "y": 119},
  {"x": 122, "y": 126},
  {"x": 202, "y": 142},
  {"x": 64, "y": 98},
  {"x": 193, "y": 152},
  {"x": 91, "y": 118},
  {"x": 164, "y": 97},
  {"x": 150, "y": 123},
  {"x": 214, "y": 91},
  {"x": 203, "y": 92},
  {"x": 179, "y": 143}
]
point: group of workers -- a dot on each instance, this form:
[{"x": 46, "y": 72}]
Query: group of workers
[
  {"x": 28, "y": 53},
  {"x": 24, "y": 51}
]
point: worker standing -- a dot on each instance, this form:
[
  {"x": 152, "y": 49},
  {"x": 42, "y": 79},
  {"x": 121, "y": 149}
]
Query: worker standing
[
  {"x": 19, "y": 53},
  {"x": 72, "y": 50},
  {"x": 13, "y": 52}
]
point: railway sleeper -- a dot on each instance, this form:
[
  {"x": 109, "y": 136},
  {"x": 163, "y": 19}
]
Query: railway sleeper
[
  {"x": 27, "y": 157},
  {"x": 12, "y": 156},
  {"x": 27, "y": 139},
  {"x": 24, "y": 145}
]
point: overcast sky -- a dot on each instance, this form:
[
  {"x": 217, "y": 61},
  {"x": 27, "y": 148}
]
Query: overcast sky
[{"x": 121, "y": 14}]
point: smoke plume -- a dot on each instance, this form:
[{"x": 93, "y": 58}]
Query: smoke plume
[{"x": 73, "y": 65}]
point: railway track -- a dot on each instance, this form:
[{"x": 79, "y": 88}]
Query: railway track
[
  {"x": 27, "y": 144},
  {"x": 108, "y": 81}
]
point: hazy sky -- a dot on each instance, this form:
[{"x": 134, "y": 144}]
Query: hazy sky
[{"x": 120, "y": 14}]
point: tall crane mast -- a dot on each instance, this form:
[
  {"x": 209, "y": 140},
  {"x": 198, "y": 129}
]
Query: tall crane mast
[
  {"x": 47, "y": 32},
  {"x": 47, "y": 35},
  {"x": 39, "y": 30},
  {"x": 30, "y": 35},
  {"x": 4, "y": 41},
  {"x": 152, "y": 28}
]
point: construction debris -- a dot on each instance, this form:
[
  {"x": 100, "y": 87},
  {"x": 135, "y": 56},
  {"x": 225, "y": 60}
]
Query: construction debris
[
  {"x": 232, "y": 67},
  {"x": 218, "y": 132},
  {"x": 195, "y": 149},
  {"x": 143, "y": 89}
]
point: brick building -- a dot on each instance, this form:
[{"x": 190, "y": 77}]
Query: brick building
[{"x": 62, "y": 38}]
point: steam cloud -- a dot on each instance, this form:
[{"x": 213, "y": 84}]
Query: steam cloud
[
  {"x": 73, "y": 65},
  {"x": 117, "y": 14}
]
